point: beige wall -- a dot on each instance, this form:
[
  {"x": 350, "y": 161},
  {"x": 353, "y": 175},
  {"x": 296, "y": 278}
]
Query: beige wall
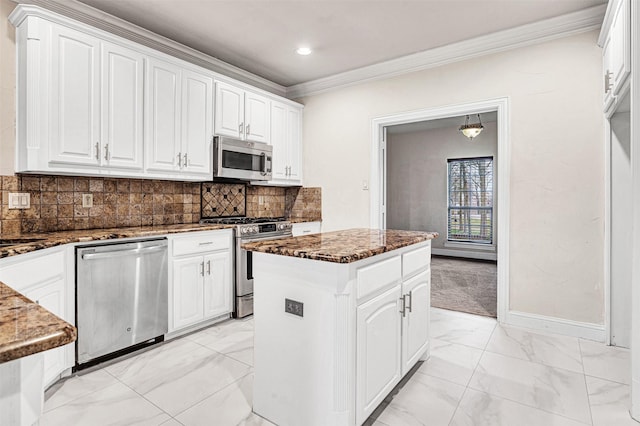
[
  {"x": 417, "y": 176},
  {"x": 7, "y": 89},
  {"x": 557, "y": 165}
]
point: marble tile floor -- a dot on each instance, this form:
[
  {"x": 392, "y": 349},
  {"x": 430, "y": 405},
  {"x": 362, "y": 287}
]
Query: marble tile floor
[{"x": 479, "y": 373}]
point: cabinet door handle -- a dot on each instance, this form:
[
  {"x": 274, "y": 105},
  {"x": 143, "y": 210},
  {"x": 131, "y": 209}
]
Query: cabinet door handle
[
  {"x": 403, "y": 311},
  {"x": 180, "y": 160},
  {"x": 241, "y": 128},
  {"x": 608, "y": 76},
  {"x": 202, "y": 268},
  {"x": 208, "y": 267},
  {"x": 410, "y": 304},
  {"x": 248, "y": 131},
  {"x": 185, "y": 159},
  {"x": 97, "y": 150},
  {"x": 106, "y": 152}
]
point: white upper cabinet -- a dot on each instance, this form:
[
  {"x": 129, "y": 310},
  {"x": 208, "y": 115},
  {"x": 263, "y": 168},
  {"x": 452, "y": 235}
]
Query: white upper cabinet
[
  {"x": 179, "y": 120},
  {"x": 229, "y": 116},
  {"x": 242, "y": 114},
  {"x": 616, "y": 51},
  {"x": 92, "y": 103},
  {"x": 197, "y": 123},
  {"x": 122, "y": 107},
  {"x": 286, "y": 124},
  {"x": 162, "y": 116},
  {"x": 75, "y": 98},
  {"x": 257, "y": 117}
]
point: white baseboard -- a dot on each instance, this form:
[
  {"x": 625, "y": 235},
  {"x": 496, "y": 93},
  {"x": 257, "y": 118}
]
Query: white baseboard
[
  {"x": 583, "y": 330},
  {"x": 465, "y": 253}
]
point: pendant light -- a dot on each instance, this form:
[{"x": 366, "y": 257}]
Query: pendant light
[{"x": 471, "y": 130}]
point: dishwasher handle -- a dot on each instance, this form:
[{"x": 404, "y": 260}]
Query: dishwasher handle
[{"x": 114, "y": 253}]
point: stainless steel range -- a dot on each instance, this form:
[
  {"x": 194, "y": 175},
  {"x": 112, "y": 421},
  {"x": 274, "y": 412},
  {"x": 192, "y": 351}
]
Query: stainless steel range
[{"x": 250, "y": 229}]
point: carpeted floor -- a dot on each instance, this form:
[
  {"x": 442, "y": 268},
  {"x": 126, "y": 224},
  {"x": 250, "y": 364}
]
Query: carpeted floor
[{"x": 464, "y": 285}]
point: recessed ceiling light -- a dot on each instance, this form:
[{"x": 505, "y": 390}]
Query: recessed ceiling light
[{"x": 304, "y": 51}]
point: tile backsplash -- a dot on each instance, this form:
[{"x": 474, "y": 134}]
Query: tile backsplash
[
  {"x": 220, "y": 200},
  {"x": 223, "y": 199},
  {"x": 56, "y": 203}
]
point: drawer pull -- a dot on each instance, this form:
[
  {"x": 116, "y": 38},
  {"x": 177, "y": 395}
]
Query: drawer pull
[{"x": 206, "y": 243}]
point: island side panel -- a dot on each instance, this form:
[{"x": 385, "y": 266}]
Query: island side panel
[{"x": 304, "y": 366}]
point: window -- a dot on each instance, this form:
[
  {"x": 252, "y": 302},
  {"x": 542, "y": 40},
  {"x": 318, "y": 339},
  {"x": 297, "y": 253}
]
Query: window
[{"x": 470, "y": 209}]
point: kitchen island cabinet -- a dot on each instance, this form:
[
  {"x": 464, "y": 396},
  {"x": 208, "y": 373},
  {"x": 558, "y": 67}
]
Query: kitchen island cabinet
[{"x": 340, "y": 318}]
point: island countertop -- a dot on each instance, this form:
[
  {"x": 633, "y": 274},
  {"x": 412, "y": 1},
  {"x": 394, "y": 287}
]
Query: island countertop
[
  {"x": 27, "y": 328},
  {"x": 345, "y": 246}
]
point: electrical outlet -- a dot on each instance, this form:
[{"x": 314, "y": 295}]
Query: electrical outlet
[
  {"x": 260, "y": 200},
  {"x": 19, "y": 200},
  {"x": 294, "y": 307},
  {"x": 87, "y": 200}
]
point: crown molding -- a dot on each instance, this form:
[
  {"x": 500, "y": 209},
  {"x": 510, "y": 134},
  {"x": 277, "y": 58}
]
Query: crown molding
[
  {"x": 96, "y": 18},
  {"x": 525, "y": 35}
]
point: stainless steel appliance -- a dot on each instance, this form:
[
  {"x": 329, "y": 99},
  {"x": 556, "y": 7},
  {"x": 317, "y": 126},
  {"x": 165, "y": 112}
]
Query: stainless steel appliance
[
  {"x": 250, "y": 229},
  {"x": 237, "y": 159},
  {"x": 121, "y": 294}
]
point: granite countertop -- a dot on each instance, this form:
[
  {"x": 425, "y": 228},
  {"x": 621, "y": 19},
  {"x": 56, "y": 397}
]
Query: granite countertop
[
  {"x": 52, "y": 239},
  {"x": 27, "y": 328},
  {"x": 341, "y": 246}
]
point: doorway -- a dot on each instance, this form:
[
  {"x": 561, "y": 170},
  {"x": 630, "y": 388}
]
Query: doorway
[
  {"x": 379, "y": 193},
  {"x": 439, "y": 180}
]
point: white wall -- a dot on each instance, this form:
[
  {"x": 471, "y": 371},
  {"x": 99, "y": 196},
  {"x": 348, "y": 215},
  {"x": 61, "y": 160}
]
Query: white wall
[
  {"x": 557, "y": 166},
  {"x": 7, "y": 89},
  {"x": 417, "y": 175}
]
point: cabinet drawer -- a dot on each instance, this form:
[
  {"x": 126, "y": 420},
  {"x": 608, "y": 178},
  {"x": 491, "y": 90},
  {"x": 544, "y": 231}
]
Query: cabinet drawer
[
  {"x": 415, "y": 260},
  {"x": 193, "y": 244},
  {"x": 372, "y": 278}
]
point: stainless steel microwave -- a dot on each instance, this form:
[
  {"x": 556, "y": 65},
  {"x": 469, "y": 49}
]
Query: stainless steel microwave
[{"x": 237, "y": 159}]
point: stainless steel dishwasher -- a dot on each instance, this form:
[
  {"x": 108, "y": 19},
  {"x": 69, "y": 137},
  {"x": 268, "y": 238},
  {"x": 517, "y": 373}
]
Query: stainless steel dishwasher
[{"x": 121, "y": 296}]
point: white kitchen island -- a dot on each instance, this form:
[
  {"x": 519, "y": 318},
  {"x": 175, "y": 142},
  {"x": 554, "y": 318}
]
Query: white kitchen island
[{"x": 340, "y": 318}]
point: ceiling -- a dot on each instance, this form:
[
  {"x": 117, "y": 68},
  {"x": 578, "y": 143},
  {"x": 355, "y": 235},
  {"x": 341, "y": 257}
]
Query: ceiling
[{"x": 260, "y": 36}]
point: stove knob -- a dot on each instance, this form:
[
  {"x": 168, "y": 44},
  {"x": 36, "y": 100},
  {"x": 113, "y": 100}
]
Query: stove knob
[
  {"x": 281, "y": 226},
  {"x": 255, "y": 229},
  {"x": 243, "y": 230}
]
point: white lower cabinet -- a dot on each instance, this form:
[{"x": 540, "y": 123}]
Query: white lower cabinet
[
  {"x": 51, "y": 296},
  {"x": 393, "y": 333},
  {"x": 200, "y": 278},
  {"x": 415, "y": 322},
  {"x": 47, "y": 278},
  {"x": 379, "y": 334}
]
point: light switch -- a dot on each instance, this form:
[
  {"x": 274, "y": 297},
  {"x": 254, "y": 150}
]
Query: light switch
[
  {"x": 19, "y": 200},
  {"x": 365, "y": 185}
]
